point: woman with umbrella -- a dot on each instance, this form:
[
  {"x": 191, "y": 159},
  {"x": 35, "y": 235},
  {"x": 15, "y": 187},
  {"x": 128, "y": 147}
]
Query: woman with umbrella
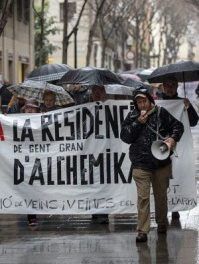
[
  {"x": 55, "y": 96},
  {"x": 49, "y": 99}
]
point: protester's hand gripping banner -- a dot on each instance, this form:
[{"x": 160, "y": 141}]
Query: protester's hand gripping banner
[{"x": 72, "y": 161}]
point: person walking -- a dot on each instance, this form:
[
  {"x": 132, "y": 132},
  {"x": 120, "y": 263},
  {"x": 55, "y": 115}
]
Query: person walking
[
  {"x": 170, "y": 93},
  {"x": 139, "y": 130}
]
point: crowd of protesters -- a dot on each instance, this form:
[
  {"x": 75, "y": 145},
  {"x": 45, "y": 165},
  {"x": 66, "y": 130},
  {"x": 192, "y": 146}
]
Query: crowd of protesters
[{"x": 136, "y": 131}]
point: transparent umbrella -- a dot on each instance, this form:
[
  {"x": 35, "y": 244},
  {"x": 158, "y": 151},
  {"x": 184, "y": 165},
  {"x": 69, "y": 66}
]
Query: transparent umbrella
[
  {"x": 119, "y": 89},
  {"x": 48, "y": 72},
  {"x": 33, "y": 89}
]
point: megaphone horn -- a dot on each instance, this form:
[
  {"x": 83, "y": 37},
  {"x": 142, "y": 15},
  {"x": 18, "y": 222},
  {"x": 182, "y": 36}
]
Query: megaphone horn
[{"x": 160, "y": 150}]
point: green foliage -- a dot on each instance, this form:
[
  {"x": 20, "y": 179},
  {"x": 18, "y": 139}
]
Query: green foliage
[{"x": 44, "y": 26}]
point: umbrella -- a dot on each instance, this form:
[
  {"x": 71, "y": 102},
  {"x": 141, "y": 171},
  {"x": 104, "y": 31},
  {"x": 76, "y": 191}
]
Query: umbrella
[
  {"x": 132, "y": 83},
  {"x": 75, "y": 88},
  {"x": 33, "y": 89},
  {"x": 145, "y": 73},
  {"x": 125, "y": 76},
  {"x": 133, "y": 71},
  {"x": 119, "y": 89},
  {"x": 48, "y": 72},
  {"x": 183, "y": 71},
  {"x": 137, "y": 84},
  {"x": 90, "y": 76}
]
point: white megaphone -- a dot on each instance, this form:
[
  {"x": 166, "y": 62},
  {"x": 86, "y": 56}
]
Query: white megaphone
[{"x": 160, "y": 150}]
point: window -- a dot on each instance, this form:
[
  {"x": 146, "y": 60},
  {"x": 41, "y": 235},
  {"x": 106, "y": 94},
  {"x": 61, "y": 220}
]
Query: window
[
  {"x": 10, "y": 71},
  {"x": 71, "y": 11},
  {"x": 26, "y": 5},
  {"x": 11, "y": 9},
  {"x": 61, "y": 12},
  {"x": 2, "y": 4},
  {"x": 19, "y": 9},
  {"x": 23, "y": 10}
]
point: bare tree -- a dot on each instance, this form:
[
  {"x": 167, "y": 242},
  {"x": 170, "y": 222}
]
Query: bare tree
[
  {"x": 66, "y": 35},
  {"x": 194, "y": 3},
  {"x": 140, "y": 29},
  {"x": 5, "y": 13},
  {"x": 173, "y": 26},
  {"x": 96, "y": 10},
  {"x": 44, "y": 26},
  {"x": 107, "y": 25}
]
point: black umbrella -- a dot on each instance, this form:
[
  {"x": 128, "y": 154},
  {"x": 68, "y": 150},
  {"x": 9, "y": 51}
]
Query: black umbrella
[
  {"x": 132, "y": 83},
  {"x": 137, "y": 84},
  {"x": 90, "y": 76},
  {"x": 145, "y": 73},
  {"x": 48, "y": 72},
  {"x": 183, "y": 71}
]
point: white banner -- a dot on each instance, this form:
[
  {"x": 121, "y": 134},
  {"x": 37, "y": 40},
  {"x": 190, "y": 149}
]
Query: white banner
[{"x": 72, "y": 161}]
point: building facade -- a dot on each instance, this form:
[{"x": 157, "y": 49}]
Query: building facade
[
  {"x": 17, "y": 41},
  {"x": 113, "y": 54}
]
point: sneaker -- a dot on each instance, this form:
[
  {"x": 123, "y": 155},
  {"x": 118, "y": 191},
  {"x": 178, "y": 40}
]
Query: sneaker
[
  {"x": 162, "y": 229},
  {"x": 175, "y": 215},
  {"x": 141, "y": 237},
  {"x": 33, "y": 222}
]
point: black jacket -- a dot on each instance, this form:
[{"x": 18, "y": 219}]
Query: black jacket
[
  {"x": 141, "y": 137},
  {"x": 192, "y": 114}
]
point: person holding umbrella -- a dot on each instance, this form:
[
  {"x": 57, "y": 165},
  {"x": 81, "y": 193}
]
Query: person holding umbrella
[
  {"x": 98, "y": 93},
  {"x": 49, "y": 99},
  {"x": 139, "y": 130},
  {"x": 170, "y": 75},
  {"x": 170, "y": 93},
  {"x": 16, "y": 104},
  {"x": 54, "y": 95}
]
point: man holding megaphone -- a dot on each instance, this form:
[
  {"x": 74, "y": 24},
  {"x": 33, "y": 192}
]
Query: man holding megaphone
[{"x": 143, "y": 126}]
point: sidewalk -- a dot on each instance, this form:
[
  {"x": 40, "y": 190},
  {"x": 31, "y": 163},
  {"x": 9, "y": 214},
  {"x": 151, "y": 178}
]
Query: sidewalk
[{"x": 77, "y": 240}]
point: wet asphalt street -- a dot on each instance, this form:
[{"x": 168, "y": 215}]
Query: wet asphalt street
[{"x": 79, "y": 240}]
